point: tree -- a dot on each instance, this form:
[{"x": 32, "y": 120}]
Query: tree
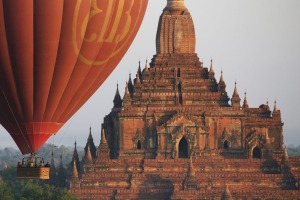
[
  {"x": 12, "y": 188},
  {"x": 5, "y": 192}
]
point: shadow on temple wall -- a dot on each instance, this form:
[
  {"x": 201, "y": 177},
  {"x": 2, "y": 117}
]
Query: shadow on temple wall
[
  {"x": 272, "y": 166},
  {"x": 288, "y": 180},
  {"x": 155, "y": 182}
]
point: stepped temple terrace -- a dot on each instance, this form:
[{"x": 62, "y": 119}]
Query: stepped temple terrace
[{"x": 177, "y": 133}]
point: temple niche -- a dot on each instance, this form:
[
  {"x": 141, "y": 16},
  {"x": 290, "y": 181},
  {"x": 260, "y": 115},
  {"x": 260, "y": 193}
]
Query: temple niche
[{"x": 176, "y": 133}]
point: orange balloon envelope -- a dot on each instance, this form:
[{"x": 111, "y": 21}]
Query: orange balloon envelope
[{"x": 54, "y": 54}]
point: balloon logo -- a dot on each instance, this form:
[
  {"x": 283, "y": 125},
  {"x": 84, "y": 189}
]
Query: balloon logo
[{"x": 54, "y": 55}]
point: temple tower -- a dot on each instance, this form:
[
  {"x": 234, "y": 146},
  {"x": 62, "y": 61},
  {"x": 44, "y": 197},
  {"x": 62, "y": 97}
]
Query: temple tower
[
  {"x": 176, "y": 32},
  {"x": 174, "y": 134}
]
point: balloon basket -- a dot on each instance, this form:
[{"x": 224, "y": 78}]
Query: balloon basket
[{"x": 33, "y": 167}]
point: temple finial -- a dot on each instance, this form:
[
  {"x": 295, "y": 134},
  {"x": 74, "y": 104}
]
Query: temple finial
[
  {"x": 175, "y": 5},
  {"x": 103, "y": 139},
  {"x": 211, "y": 67},
  {"x": 146, "y": 66},
  {"x": 222, "y": 77},
  {"x": 275, "y": 107},
  {"x": 235, "y": 93},
  {"x": 126, "y": 89},
  {"x": 245, "y": 104},
  {"x": 74, "y": 171},
  {"x": 89, "y": 154}
]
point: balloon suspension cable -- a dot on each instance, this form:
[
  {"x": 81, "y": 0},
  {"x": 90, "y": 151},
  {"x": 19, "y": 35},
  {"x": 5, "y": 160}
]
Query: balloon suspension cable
[
  {"x": 59, "y": 142},
  {"x": 32, "y": 153}
]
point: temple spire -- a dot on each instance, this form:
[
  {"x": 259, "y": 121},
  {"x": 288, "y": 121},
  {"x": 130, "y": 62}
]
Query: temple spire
[
  {"x": 126, "y": 90},
  {"x": 235, "y": 100},
  {"x": 222, "y": 78},
  {"x": 226, "y": 195},
  {"x": 90, "y": 134},
  {"x": 117, "y": 100},
  {"x": 103, "y": 150},
  {"x": 88, "y": 156},
  {"x": 245, "y": 104},
  {"x": 221, "y": 84},
  {"x": 61, "y": 177},
  {"x": 74, "y": 171},
  {"x": 130, "y": 86},
  {"x": 139, "y": 70},
  {"x": 103, "y": 138},
  {"x": 126, "y": 98},
  {"x": 146, "y": 66},
  {"x": 90, "y": 144},
  {"x": 167, "y": 37},
  {"x": 137, "y": 80},
  {"x": 235, "y": 93},
  {"x": 175, "y": 5},
  {"x": 275, "y": 107},
  {"x": 211, "y": 70}
]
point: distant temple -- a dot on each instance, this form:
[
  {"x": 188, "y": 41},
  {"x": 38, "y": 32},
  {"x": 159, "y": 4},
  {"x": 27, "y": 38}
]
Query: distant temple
[
  {"x": 176, "y": 134},
  {"x": 57, "y": 176}
]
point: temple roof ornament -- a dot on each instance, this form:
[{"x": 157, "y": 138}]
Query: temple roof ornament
[
  {"x": 245, "y": 104},
  {"x": 175, "y": 5},
  {"x": 137, "y": 80},
  {"x": 127, "y": 97},
  {"x": 130, "y": 86},
  {"x": 235, "y": 100},
  {"x": 176, "y": 32},
  {"x": 117, "y": 99},
  {"x": 275, "y": 107},
  {"x": 226, "y": 195},
  {"x": 211, "y": 69},
  {"x": 139, "y": 71},
  {"x": 222, "y": 78},
  {"x": 146, "y": 66},
  {"x": 88, "y": 156},
  {"x": 74, "y": 171},
  {"x": 235, "y": 93},
  {"x": 103, "y": 138}
]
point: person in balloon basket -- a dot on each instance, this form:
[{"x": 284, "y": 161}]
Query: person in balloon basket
[{"x": 42, "y": 164}]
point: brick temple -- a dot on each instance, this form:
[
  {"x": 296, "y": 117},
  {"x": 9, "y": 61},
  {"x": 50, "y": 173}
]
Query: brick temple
[{"x": 176, "y": 134}]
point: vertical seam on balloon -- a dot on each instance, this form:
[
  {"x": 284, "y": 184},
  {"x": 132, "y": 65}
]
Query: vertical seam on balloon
[
  {"x": 57, "y": 105},
  {"x": 54, "y": 64},
  {"x": 16, "y": 90},
  {"x": 78, "y": 60},
  {"x": 88, "y": 92},
  {"x": 11, "y": 70},
  {"x": 8, "y": 54}
]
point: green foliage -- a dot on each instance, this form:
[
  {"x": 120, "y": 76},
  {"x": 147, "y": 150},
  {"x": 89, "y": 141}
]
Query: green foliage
[
  {"x": 5, "y": 192},
  {"x": 12, "y": 188}
]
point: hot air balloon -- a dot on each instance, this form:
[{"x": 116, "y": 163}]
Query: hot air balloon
[{"x": 54, "y": 55}]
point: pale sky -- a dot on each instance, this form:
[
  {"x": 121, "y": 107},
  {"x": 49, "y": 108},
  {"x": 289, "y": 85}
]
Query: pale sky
[{"x": 255, "y": 42}]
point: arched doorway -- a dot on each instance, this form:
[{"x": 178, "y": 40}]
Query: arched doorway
[
  {"x": 139, "y": 145},
  {"x": 256, "y": 153},
  {"x": 183, "y": 148},
  {"x": 225, "y": 146}
]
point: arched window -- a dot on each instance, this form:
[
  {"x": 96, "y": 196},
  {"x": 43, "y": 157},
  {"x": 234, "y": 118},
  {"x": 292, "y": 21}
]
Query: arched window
[
  {"x": 226, "y": 145},
  {"x": 139, "y": 145},
  {"x": 183, "y": 148},
  {"x": 256, "y": 153}
]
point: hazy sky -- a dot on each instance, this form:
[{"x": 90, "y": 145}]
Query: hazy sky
[{"x": 255, "y": 42}]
